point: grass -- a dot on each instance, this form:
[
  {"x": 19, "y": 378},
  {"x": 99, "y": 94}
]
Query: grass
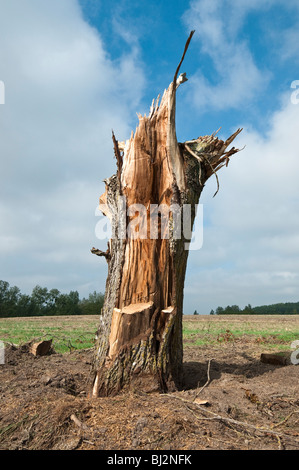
[
  {"x": 78, "y": 332},
  {"x": 68, "y": 333},
  {"x": 275, "y": 330}
]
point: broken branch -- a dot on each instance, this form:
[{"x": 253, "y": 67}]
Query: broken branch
[
  {"x": 183, "y": 56},
  {"x": 215, "y": 416},
  {"x": 207, "y": 382},
  {"x": 118, "y": 156},
  {"x": 106, "y": 253},
  {"x": 78, "y": 422}
]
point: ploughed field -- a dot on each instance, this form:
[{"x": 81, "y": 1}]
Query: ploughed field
[{"x": 230, "y": 399}]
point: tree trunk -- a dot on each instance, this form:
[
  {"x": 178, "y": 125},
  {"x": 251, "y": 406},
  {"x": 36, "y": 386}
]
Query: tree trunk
[{"x": 139, "y": 340}]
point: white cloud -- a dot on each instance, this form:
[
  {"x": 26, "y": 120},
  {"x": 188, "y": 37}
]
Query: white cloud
[
  {"x": 250, "y": 252},
  {"x": 64, "y": 94},
  {"x": 238, "y": 77},
  {"x": 217, "y": 24}
]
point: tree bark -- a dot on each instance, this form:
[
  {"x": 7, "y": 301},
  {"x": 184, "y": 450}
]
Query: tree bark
[{"x": 139, "y": 340}]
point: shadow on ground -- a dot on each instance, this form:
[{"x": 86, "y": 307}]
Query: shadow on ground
[{"x": 196, "y": 373}]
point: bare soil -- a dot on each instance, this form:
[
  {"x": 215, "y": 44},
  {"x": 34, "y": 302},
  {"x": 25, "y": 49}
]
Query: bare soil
[{"x": 230, "y": 401}]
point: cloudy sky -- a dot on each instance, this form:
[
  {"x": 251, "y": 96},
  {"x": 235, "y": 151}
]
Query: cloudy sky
[{"x": 74, "y": 70}]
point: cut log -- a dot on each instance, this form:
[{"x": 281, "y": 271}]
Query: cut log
[
  {"x": 276, "y": 359},
  {"x": 41, "y": 348}
]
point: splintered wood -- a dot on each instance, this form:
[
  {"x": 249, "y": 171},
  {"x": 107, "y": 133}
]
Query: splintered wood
[{"x": 140, "y": 333}]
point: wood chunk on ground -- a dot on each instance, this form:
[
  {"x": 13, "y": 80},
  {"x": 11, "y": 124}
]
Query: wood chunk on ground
[
  {"x": 276, "y": 359},
  {"x": 42, "y": 348}
]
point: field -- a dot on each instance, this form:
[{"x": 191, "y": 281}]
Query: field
[{"x": 230, "y": 399}]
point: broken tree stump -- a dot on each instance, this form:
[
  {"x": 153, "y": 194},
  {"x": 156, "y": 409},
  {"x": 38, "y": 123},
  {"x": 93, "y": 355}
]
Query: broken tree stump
[{"x": 151, "y": 203}]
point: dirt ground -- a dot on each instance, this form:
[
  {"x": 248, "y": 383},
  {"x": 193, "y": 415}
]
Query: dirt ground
[{"x": 231, "y": 401}]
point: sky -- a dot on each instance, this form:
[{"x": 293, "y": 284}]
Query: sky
[{"x": 71, "y": 71}]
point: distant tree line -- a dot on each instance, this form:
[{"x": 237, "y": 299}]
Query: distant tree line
[
  {"x": 288, "y": 308},
  {"x": 46, "y": 302}
]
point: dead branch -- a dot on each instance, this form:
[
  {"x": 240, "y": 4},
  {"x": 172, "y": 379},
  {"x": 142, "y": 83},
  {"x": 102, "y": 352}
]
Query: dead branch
[
  {"x": 285, "y": 419},
  {"x": 211, "y": 153},
  {"x": 193, "y": 153},
  {"x": 214, "y": 171},
  {"x": 217, "y": 417},
  {"x": 106, "y": 253},
  {"x": 207, "y": 382},
  {"x": 183, "y": 56},
  {"x": 78, "y": 422},
  {"x": 118, "y": 156}
]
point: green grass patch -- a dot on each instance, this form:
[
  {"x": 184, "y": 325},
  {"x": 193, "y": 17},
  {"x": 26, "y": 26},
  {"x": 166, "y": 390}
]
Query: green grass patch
[
  {"x": 67, "y": 334},
  {"x": 78, "y": 332},
  {"x": 277, "y": 333}
]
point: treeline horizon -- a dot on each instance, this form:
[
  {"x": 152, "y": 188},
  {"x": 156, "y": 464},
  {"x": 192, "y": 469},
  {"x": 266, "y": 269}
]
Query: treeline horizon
[
  {"x": 287, "y": 308},
  {"x": 45, "y": 302}
]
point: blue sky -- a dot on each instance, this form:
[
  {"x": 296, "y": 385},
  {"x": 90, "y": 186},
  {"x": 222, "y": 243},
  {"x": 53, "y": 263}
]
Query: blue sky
[
  {"x": 75, "y": 70},
  {"x": 255, "y": 37}
]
